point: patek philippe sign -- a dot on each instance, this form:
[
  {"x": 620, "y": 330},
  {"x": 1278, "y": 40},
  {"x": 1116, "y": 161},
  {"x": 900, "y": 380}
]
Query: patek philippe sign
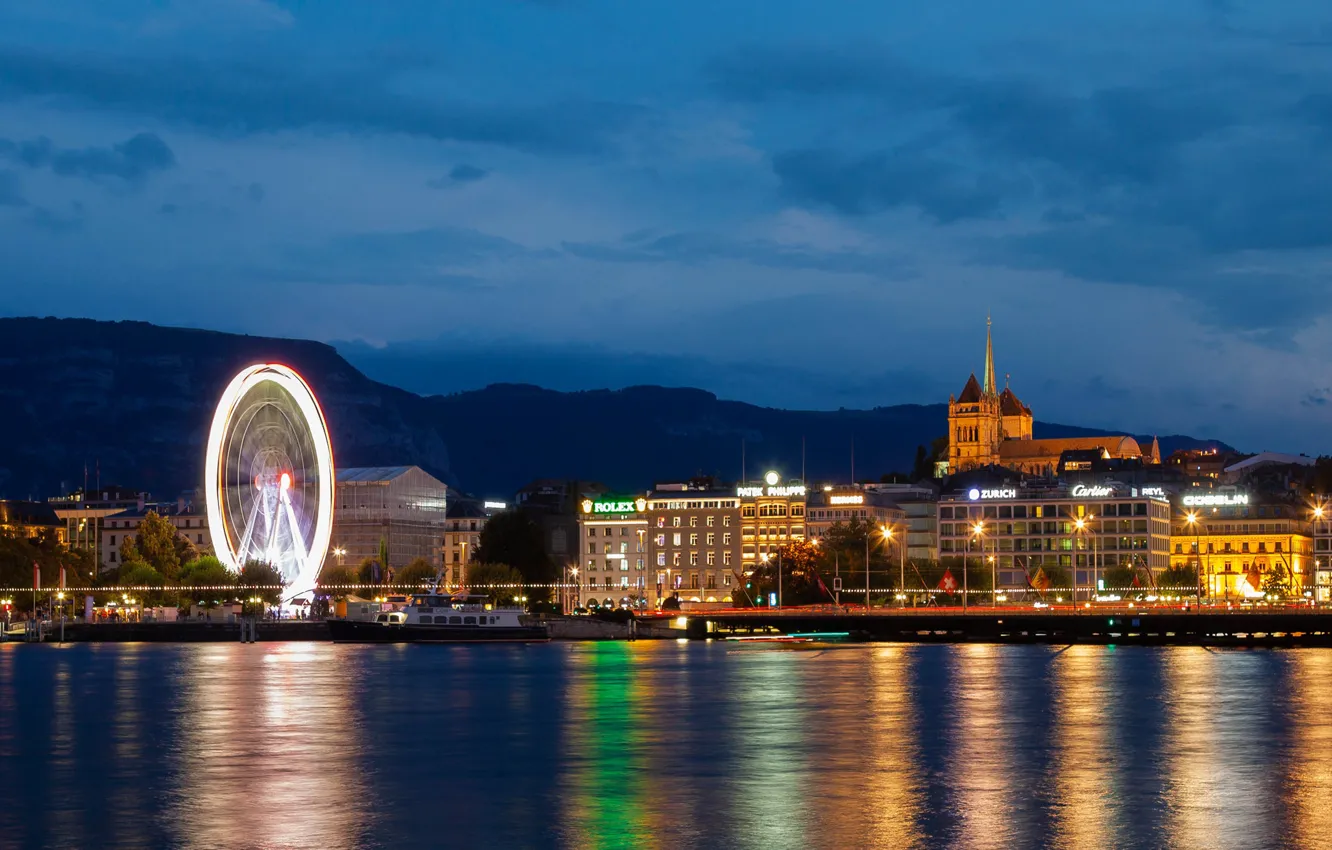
[
  {"x": 774, "y": 490},
  {"x": 1094, "y": 491},
  {"x": 614, "y": 505},
  {"x": 976, "y": 493},
  {"x": 1215, "y": 500}
]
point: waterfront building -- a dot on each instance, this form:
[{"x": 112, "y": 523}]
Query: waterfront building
[
  {"x": 464, "y": 521},
  {"x": 919, "y": 502},
  {"x": 612, "y": 569},
  {"x": 190, "y": 522},
  {"x": 1320, "y": 522},
  {"x": 1079, "y": 530},
  {"x": 772, "y": 513},
  {"x": 555, "y": 504},
  {"x": 847, "y": 503},
  {"x": 84, "y": 514},
  {"x": 30, "y": 520},
  {"x": 695, "y": 541},
  {"x": 992, "y": 427},
  {"x": 404, "y": 506},
  {"x": 1237, "y": 540}
]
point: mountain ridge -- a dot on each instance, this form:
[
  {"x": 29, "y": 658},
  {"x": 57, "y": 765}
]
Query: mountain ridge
[{"x": 135, "y": 399}]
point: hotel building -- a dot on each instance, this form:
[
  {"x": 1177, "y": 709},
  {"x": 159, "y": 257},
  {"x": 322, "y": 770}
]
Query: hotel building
[
  {"x": 613, "y": 533},
  {"x": 1237, "y": 540},
  {"x": 833, "y": 505},
  {"x": 772, "y": 513},
  {"x": 1082, "y": 529},
  {"x": 695, "y": 542}
]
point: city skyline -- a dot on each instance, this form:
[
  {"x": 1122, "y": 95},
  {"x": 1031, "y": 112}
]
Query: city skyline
[{"x": 583, "y": 195}]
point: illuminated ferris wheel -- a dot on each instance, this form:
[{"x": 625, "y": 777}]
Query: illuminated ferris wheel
[{"x": 269, "y": 471}]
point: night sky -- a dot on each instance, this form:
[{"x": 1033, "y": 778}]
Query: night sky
[{"x": 799, "y": 204}]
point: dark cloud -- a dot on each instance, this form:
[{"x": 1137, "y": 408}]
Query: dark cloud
[
  {"x": 1104, "y": 137},
  {"x": 11, "y": 192},
  {"x": 1317, "y": 398},
  {"x": 702, "y": 248},
  {"x": 462, "y": 173},
  {"x": 56, "y": 222},
  {"x": 1263, "y": 305},
  {"x": 944, "y": 191},
  {"x": 433, "y": 257},
  {"x": 132, "y": 160},
  {"x": 256, "y": 98}
]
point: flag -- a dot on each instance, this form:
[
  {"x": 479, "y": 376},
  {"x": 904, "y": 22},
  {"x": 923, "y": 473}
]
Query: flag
[
  {"x": 1040, "y": 581},
  {"x": 36, "y": 576},
  {"x": 1255, "y": 578},
  {"x": 1135, "y": 579},
  {"x": 948, "y": 584},
  {"x": 823, "y": 586}
]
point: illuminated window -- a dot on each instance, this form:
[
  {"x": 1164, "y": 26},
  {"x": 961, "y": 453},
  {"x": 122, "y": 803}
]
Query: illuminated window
[{"x": 711, "y": 519}]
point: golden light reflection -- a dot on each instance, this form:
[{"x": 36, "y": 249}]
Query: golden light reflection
[
  {"x": 242, "y": 714},
  {"x": 1308, "y": 788},
  {"x": 979, "y": 761},
  {"x": 1085, "y": 808},
  {"x": 1216, "y": 780},
  {"x": 894, "y": 789}
]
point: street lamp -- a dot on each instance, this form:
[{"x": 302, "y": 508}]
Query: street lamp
[
  {"x": 1192, "y": 519},
  {"x": 977, "y": 531},
  {"x": 901, "y": 555}
]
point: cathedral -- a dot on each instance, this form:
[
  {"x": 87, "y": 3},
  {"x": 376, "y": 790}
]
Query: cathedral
[{"x": 989, "y": 427}]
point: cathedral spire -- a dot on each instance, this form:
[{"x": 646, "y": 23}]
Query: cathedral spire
[{"x": 990, "y": 386}]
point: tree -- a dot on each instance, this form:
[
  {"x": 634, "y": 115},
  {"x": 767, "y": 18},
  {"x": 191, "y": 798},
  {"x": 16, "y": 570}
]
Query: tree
[
  {"x": 799, "y": 562},
  {"x": 257, "y": 578},
  {"x": 384, "y": 559},
  {"x": 370, "y": 573},
  {"x": 418, "y": 572},
  {"x": 336, "y": 579},
  {"x": 844, "y": 548},
  {"x": 155, "y": 543},
  {"x": 1278, "y": 583},
  {"x": 1178, "y": 578},
  {"x": 500, "y": 582},
  {"x": 206, "y": 572},
  {"x": 149, "y": 583},
  {"x": 1119, "y": 577},
  {"x": 514, "y": 538}
]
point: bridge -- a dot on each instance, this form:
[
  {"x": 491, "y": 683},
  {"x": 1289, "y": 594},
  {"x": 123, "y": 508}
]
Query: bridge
[{"x": 1158, "y": 626}]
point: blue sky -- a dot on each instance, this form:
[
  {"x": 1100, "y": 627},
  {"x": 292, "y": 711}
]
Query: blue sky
[{"x": 792, "y": 203}]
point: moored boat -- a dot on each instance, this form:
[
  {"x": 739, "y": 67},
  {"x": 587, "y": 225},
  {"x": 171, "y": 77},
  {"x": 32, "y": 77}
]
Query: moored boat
[{"x": 439, "y": 618}]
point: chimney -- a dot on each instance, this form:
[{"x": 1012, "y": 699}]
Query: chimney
[{"x": 141, "y": 500}]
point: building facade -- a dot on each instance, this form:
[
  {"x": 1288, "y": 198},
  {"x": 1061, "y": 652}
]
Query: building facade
[
  {"x": 695, "y": 542},
  {"x": 613, "y": 561},
  {"x": 84, "y": 514},
  {"x": 844, "y": 504},
  {"x": 190, "y": 521},
  {"x": 772, "y": 513},
  {"x": 403, "y": 506},
  {"x": 465, "y": 519},
  {"x": 30, "y": 520},
  {"x": 1080, "y": 531},
  {"x": 1237, "y": 541}
]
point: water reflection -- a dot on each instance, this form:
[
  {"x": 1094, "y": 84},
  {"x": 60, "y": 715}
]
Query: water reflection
[
  {"x": 270, "y": 732},
  {"x": 1088, "y": 796},
  {"x": 663, "y": 745}
]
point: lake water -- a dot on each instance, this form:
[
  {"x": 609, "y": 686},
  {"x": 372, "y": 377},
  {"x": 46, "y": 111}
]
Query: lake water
[{"x": 663, "y": 745}]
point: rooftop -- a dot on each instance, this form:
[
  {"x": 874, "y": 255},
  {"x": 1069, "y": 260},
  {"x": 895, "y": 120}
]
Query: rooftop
[{"x": 369, "y": 474}]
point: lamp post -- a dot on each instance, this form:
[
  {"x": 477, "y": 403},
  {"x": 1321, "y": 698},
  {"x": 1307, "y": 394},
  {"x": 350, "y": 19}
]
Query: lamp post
[
  {"x": 977, "y": 531},
  {"x": 576, "y": 588},
  {"x": 1193, "y": 521},
  {"x": 901, "y": 565},
  {"x": 641, "y": 571}
]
